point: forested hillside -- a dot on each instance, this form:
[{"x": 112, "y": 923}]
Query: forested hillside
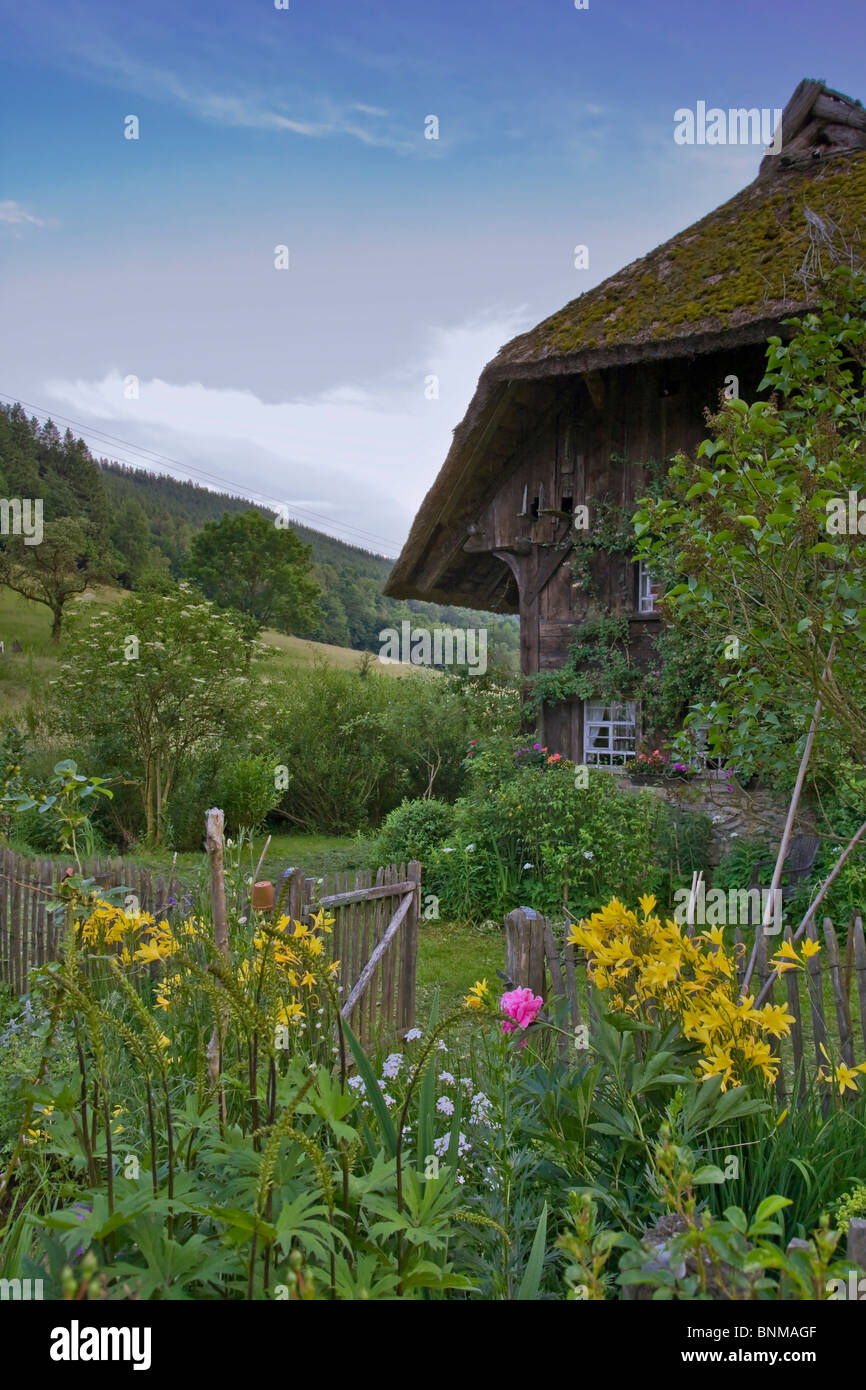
[{"x": 138, "y": 527}]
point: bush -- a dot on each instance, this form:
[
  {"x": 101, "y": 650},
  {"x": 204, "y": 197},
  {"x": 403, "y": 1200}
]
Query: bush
[
  {"x": 414, "y": 829},
  {"x": 190, "y": 799},
  {"x": 356, "y": 746},
  {"x": 536, "y": 839},
  {"x": 240, "y": 782},
  {"x": 527, "y": 835},
  {"x": 683, "y": 846},
  {"x": 245, "y": 789}
]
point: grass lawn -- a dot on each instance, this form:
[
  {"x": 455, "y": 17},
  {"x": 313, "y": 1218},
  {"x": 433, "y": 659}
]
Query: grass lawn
[
  {"x": 317, "y": 855},
  {"x": 451, "y": 957}
]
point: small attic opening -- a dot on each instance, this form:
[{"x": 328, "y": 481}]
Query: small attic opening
[
  {"x": 566, "y": 504},
  {"x": 533, "y": 511}
]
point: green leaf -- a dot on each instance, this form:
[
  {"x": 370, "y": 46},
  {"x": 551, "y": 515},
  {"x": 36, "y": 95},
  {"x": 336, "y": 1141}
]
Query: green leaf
[
  {"x": 374, "y": 1095},
  {"x": 529, "y": 1285},
  {"x": 770, "y": 1206},
  {"x": 709, "y": 1173}
]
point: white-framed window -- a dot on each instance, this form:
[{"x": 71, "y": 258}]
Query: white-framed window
[
  {"x": 609, "y": 732},
  {"x": 646, "y": 585}
]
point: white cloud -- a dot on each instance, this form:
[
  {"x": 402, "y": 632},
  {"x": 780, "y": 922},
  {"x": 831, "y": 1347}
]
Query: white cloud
[
  {"x": 252, "y": 109},
  {"x": 372, "y": 453},
  {"x": 14, "y": 214}
]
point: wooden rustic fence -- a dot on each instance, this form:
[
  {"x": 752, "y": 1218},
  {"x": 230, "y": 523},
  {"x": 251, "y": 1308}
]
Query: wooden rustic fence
[
  {"x": 374, "y": 934},
  {"x": 30, "y": 934},
  {"x": 827, "y": 1000}
]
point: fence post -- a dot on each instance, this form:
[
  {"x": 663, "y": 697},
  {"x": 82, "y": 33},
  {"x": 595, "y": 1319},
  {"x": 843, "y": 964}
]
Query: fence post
[
  {"x": 843, "y": 1017},
  {"x": 856, "y": 1247},
  {"x": 409, "y": 951},
  {"x": 524, "y": 948},
  {"x": 214, "y": 840}
]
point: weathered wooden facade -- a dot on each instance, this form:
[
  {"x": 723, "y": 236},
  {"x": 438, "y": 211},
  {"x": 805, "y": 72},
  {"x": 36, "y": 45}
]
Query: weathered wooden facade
[{"x": 571, "y": 414}]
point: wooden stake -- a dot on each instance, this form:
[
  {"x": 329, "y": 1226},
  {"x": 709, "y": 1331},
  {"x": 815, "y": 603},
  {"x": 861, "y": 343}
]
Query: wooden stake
[
  {"x": 789, "y": 823},
  {"x": 214, "y": 840}
]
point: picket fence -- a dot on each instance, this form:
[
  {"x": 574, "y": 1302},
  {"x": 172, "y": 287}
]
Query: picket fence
[
  {"x": 827, "y": 1000},
  {"x": 374, "y": 934}
]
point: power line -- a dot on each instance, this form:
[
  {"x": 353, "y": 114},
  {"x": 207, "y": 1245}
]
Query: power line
[{"x": 151, "y": 456}]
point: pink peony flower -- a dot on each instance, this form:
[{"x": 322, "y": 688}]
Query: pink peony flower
[{"x": 521, "y": 1008}]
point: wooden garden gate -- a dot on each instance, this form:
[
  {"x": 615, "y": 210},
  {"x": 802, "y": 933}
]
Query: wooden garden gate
[{"x": 375, "y": 939}]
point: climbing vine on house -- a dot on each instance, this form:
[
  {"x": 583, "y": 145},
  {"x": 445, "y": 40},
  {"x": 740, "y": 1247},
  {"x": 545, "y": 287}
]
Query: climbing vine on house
[
  {"x": 680, "y": 673},
  {"x": 598, "y": 666},
  {"x": 610, "y": 530},
  {"x": 682, "y": 668}
]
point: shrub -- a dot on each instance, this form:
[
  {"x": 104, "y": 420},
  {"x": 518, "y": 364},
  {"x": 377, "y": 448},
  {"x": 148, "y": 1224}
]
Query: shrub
[
  {"x": 413, "y": 829},
  {"x": 537, "y": 839},
  {"x": 150, "y": 682},
  {"x": 355, "y": 747},
  {"x": 245, "y": 789}
]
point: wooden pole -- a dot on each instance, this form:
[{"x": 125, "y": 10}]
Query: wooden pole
[
  {"x": 789, "y": 823},
  {"x": 524, "y": 944},
  {"x": 214, "y": 841}
]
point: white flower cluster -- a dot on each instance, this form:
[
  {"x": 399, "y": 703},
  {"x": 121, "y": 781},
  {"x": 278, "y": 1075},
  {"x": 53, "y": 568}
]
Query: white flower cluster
[
  {"x": 389, "y": 1100},
  {"x": 391, "y": 1065},
  {"x": 440, "y": 1146},
  {"x": 413, "y": 1035},
  {"x": 445, "y": 1105},
  {"x": 446, "y": 1077},
  {"x": 480, "y": 1108}
]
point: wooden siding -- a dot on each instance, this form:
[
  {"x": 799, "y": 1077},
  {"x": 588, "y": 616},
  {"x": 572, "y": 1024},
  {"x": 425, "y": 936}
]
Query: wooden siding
[{"x": 571, "y": 454}]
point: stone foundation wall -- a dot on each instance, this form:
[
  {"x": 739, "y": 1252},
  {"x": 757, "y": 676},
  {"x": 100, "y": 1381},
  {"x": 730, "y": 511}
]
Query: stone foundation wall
[{"x": 732, "y": 811}]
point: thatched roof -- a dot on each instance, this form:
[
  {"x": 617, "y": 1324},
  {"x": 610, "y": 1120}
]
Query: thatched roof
[{"x": 727, "y": 281}]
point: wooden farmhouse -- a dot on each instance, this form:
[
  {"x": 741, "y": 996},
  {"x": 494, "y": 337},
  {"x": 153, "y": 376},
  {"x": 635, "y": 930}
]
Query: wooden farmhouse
[{"x": 574, "y": 413}]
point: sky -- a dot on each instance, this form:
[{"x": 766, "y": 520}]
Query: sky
[{"x": 141, "y": 301}]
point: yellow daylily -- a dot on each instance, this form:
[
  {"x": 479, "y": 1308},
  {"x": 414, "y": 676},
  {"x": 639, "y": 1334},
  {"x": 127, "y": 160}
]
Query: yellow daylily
[{"x": 477, "y": 995}]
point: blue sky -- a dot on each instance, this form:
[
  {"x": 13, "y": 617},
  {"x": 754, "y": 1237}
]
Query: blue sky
[{"x": 304, "y": 127}]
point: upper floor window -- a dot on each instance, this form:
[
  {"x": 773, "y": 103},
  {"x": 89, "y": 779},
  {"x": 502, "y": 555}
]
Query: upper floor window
[
  {"x": 646, "y": 588},
  {"x": 609, "y": 732}
]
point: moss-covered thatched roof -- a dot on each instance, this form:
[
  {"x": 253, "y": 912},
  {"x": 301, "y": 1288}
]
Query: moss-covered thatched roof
[
  {"x": 757, "y": 256},
  {"x": 727, "y": 281}
]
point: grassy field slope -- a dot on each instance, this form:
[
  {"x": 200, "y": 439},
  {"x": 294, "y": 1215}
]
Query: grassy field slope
[{"x": 29, "y": 624}]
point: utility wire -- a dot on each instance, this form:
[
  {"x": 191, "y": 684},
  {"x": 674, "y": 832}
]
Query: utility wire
[{"x": 151, "y": 456}]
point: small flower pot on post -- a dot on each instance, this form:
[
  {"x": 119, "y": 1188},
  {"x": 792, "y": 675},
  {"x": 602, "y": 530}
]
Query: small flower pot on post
[{"x": 263, "y": 896}]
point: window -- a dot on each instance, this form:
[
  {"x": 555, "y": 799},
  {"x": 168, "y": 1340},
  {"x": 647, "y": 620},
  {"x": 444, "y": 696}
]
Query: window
[
  {"x": 646, "y": 600},
  {"x": 609, "y": 732}
]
